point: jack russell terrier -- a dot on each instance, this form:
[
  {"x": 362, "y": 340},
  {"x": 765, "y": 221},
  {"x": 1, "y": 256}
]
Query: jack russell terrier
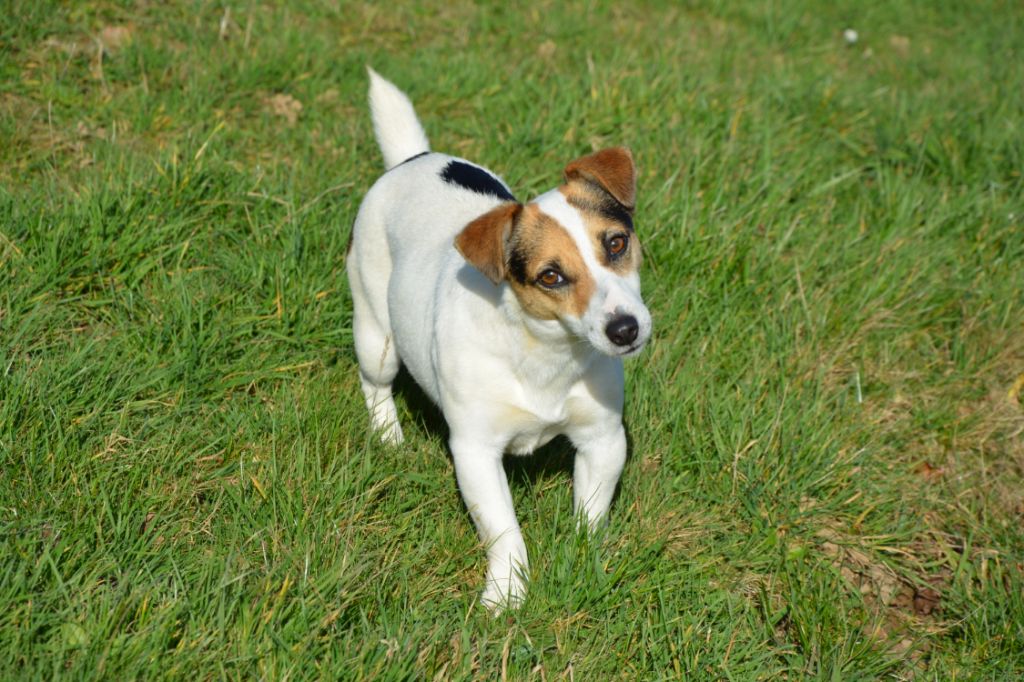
[{"x": 514, "y": 318}]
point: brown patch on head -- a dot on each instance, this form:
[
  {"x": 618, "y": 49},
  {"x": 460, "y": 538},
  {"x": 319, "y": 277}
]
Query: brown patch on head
[
  {"x": 605, "y": 220},
  {"x": 610, "y": 169},
  {"x": 539, "y": 244},
  {"x": 483, "y": 241}
]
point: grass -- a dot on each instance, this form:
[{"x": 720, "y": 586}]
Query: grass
[{"x": 827, "y": 460}]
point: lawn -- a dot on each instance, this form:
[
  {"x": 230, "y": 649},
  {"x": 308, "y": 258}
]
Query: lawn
[{"x": 826, "y": 473}]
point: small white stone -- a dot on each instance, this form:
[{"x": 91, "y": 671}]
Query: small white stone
[{"x": 850, "y": 36}]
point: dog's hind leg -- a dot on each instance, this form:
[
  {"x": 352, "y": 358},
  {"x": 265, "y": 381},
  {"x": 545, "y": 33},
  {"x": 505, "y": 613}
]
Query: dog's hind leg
[
  {"x": 371, "y": 331},
  {"x": 378, "y": 366}
]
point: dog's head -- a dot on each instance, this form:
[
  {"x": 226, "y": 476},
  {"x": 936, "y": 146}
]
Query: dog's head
[{"x": 571, "y": 254}]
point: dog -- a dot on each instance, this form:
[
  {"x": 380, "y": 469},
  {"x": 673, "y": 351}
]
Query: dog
[{"x": 514, "y": 318}]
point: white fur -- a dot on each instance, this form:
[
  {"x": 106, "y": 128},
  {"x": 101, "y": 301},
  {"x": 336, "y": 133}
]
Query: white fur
[{"x": 505, "y": 381}]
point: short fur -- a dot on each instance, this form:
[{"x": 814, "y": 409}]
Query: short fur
[{"x": 513, "y": 318}]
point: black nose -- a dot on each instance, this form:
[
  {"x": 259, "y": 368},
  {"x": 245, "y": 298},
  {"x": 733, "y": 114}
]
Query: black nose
[{"x": 623, "y": 330}]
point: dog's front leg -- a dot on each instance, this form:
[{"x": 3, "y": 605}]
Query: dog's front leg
[
  {"x": 600, "y": 456},
  {"x": 484, "y": 488}
]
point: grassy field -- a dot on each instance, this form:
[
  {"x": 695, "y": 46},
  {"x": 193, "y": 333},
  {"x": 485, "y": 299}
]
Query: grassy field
[{"x": 826, "y": 476}]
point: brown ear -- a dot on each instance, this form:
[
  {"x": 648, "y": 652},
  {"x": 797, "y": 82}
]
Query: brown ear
[
  {"x": 612, "y": 169},
  {"x": 482, "y": 242}
]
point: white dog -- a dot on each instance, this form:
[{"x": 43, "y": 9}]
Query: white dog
[{"x": 514, "y": 318}]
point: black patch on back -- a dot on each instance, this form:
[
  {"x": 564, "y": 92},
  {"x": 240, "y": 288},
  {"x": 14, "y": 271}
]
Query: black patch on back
[{"x": 475, "y": 180}]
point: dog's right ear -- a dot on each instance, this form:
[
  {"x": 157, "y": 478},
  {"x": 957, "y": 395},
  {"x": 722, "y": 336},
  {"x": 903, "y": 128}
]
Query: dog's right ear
[
  {"x": 482, "y": 242},
  {"x": 612, "y": 169}
]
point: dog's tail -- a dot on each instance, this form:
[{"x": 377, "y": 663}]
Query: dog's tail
[{"x": 398, "y": 131}]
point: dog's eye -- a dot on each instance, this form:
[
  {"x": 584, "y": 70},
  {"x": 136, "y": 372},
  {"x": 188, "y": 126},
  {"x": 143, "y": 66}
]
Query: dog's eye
[
  {"x": 551, "y": 279},
  {"x": 616, "y": 245}
]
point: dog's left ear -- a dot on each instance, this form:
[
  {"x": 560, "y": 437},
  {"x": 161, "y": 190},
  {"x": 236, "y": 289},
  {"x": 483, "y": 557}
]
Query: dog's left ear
[
  {"x": 482, "y": 242},
  {"x": 612, "y": 169}
]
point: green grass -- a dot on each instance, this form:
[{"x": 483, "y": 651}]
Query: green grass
[{"x": 826, "y": 477}]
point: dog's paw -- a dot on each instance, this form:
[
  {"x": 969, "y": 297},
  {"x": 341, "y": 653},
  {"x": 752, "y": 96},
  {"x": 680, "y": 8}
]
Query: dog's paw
[
  {"x": 391, "y": 434},
  {"x": 503, "y": 593}
]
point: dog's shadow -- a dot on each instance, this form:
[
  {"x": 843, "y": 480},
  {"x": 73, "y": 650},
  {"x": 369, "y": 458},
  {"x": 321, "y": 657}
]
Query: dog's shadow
[{"x": 554, "y": 459}]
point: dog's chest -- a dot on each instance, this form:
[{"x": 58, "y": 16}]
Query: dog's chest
[
  {"x": 529, "y": 428},
  {"x": 541, "y": 404},
  {"x": 526, "y": 441}
]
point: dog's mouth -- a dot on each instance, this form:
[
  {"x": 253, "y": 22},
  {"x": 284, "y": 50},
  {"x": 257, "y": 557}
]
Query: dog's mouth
[{"x": 632, "y": 350}]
